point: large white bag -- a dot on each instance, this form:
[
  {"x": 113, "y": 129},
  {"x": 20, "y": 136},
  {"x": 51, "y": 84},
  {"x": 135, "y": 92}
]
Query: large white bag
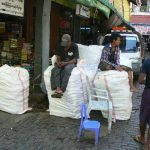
[
  {"x": 14, "y": 89},
  {"x": 117, "y": 84},
  {"x": 75, "y": 94},
  {"x": 89, "y": 59},
  {"x": 69, "y": 104},
  {"x": 91, "y": 54}
]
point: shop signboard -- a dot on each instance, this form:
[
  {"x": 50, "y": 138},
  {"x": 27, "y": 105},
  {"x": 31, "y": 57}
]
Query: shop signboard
[
  {"x": 82, "y": 11},
  {"x": 143, "y": 29},
  {"x": 12, "y": 7}
]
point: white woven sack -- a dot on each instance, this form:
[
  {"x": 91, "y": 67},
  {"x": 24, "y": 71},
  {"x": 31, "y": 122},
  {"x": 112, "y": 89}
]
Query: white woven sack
[
  {"x": 69, "y": 104},
  {"x": 117, "y": 84},
  {"x": 14, "y": 89}
]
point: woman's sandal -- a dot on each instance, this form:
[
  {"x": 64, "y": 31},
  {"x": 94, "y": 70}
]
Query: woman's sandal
[{"x": 137, "y": 139}]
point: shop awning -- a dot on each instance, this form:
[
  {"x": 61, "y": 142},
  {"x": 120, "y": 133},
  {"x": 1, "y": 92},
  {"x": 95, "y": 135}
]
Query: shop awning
[
  {"x": 124, "y": 22},
  {"x": 105, "y": 6},
  {"x": 96, "y": 4}
]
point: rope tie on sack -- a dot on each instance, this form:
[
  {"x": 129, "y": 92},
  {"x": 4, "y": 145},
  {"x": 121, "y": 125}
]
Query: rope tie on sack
[
  {"x": 23, "y": 91},
  {"x": 83, "y": 95},
  {"x": 110, "y": 96}
]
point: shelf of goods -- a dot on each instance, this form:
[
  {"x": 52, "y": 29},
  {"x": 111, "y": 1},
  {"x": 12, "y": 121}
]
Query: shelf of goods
[{"x": 13, "y": 49}]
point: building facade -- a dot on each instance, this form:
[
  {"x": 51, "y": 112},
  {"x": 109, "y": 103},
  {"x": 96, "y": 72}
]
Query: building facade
[{"x": 140, "y": 18}]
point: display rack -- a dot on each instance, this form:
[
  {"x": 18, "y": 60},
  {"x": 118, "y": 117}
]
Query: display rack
[{"x": 13, "y": 49}]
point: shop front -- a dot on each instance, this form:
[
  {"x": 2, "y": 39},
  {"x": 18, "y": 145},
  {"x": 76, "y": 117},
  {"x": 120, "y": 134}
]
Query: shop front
[
  {"x": 89, "y": 24},
  {"x": 14, "y": 49},
  {"x": 62, "y": 21},
  {"x": 80, "y": 21},
  {"x": 83, "y": 27}
]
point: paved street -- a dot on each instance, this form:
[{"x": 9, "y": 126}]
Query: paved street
[
  {"x": 38, "y": 130},
  {"x": 55, "y": 49}
]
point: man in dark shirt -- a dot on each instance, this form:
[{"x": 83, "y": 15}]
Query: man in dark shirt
[
  {"x": 110, "y": 59},
  {"x": 67, "y": 56},
  {"x": 145, "y": 105}
]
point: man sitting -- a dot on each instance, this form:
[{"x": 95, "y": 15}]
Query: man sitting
[
  {"x": 110, "y": 59},
  {"x": 67, "y": 56}
]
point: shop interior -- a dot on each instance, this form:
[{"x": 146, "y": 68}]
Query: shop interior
[
  {"x": 89, "y": 31},
  {"x": 14, "y": 50}
]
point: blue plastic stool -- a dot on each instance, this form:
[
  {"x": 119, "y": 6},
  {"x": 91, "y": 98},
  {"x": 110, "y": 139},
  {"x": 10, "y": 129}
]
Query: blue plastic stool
[{"x": 88, "y": 124}]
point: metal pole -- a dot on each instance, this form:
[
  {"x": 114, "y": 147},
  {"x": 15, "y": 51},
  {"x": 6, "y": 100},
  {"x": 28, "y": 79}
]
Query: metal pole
[
  {"x": 38, "y": 45},
  {"x": 45, "y": 39}
]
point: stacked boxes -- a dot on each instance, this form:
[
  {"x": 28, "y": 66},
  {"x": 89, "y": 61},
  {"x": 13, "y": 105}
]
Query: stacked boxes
[
  {"x": 26, "y": 60},
  {"x": 13, "y": 49},
  {"x": 10, "y": 43},
  {"x": 26, "y": 52},
  {"x": 10, "y": 52}
]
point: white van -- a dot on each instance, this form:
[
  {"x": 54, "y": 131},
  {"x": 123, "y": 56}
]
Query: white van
[{"x": 130, "y": 49}]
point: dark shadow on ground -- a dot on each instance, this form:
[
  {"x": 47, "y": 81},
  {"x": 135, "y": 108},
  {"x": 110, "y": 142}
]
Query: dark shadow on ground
[{"x": 38, "y": 100}]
